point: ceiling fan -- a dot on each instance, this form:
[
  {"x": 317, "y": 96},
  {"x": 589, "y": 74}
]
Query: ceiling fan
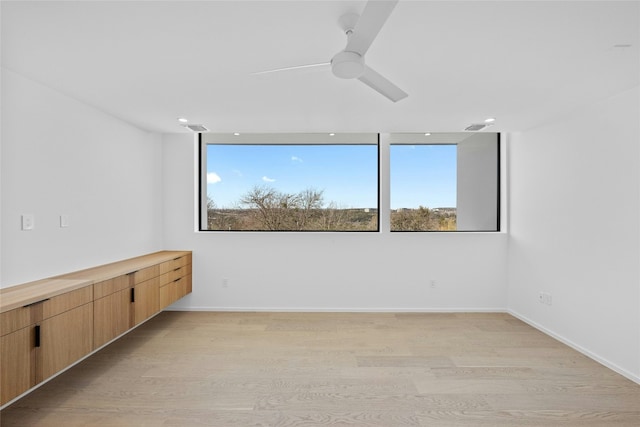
[{"x": 349, "y": 63}]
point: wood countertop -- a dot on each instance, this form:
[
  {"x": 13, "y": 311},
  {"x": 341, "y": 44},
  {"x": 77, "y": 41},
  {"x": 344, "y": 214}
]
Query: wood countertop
[
  {"x": 28, "y": 293},
  {"x": 32, "y": 292}
]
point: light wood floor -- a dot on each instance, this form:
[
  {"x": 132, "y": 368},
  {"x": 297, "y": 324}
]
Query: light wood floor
[{"x": 338, "y": 369}]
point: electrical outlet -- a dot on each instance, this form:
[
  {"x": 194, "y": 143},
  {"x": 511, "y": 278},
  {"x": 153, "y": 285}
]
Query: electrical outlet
[
  {"x": 545, "y": 298},
  {"x": 225, "y": 283},
  {"x": 432, "y": 283}
]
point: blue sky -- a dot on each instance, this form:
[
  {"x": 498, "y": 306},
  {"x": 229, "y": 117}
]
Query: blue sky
[{"x": 421, "y": 175}]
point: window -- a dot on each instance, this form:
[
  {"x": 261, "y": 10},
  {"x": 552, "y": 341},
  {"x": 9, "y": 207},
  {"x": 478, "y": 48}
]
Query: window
[
  {"x": 444, "y": 182},
  {"x": 289, "y": 182},
  {"x": 331, "y": 182}
]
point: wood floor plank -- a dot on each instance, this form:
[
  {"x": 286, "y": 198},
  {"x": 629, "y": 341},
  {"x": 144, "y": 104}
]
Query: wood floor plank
[
  {"x": 369, "y": 418},
  {"x": 541, "y": 418},
  {"x": 340, "y": 369},
  {"x": 331, "y": 402}
]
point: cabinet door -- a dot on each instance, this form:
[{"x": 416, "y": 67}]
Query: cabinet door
[
  {"x": 64, "y": 339},
  {"x": 111, "y": 316},
  {"x": 17, "y": 363},
  {"x": 146, "y": 300}
]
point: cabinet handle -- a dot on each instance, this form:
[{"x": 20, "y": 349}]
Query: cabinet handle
[
  {"x": 175, "y": 259},
  {"x": 176, "y": 269},
  {"x": 177, "y": 280},
  {"x": 34, "y": 303},
  {"x": 37, "y": 337},
  {"x": 133, "y": 294}
]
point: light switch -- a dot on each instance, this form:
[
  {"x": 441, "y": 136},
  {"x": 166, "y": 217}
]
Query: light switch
[
  {"x": 64, "y": 221},
  {"x": 28, "y": 222}
]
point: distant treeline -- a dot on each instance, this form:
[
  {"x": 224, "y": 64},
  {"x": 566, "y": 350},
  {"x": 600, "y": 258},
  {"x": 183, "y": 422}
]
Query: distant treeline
[{"x": 266, "y": 209}]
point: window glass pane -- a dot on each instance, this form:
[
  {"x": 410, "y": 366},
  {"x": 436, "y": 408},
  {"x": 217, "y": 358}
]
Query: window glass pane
[
  {"x": 449, "y": 184},
  {"x": 423, "y": 187},
  {"x": 291, "y": 187}
]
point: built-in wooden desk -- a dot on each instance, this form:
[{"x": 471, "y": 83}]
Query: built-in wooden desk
[{"x": 48, "y": 325}]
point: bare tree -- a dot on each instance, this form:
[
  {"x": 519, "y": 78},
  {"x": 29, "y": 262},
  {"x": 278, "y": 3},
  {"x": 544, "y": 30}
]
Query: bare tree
[
  {"x": 220, "y": 219},
  {"x": 332, "y": 218},
  {"x": 270, "y": 208},
  {"x": 309, "y": 203},
  {"x": 265, "y": 208}
]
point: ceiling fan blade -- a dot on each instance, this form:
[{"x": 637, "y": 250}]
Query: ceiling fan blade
[
  {"x": 296, "y": 67},
  {"x": 377, "y": 82},
  {"x": 373, "y": 17}
]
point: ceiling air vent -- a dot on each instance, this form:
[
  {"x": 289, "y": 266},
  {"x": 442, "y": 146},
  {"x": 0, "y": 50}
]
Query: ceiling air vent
[
  {"x": 475, "y": 127},
  {"x": 196, "y": 128}
]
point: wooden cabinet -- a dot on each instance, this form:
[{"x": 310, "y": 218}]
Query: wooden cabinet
[
  {"x": 47, "y": 325},
  {"x": 41, "y": 338},
  {"x": 175, "y": 279},
  {"x": 125, "y": 301}
]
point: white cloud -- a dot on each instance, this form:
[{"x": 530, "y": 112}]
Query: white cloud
[
  {"x": 296, "y": 159},
  {"x": 267, "y": 179},
  {"x": 213, "y": 177}
]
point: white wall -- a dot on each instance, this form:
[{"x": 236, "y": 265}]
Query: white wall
[
  {"x": 327, "y": 271},
  {"x": 574, "y": 229},
  {"x": 60, "y": 156}
]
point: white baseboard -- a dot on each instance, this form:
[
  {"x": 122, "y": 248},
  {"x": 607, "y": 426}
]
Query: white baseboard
[
  {"x": 633, "y": 377},
  {"x": 346, "y": 309}
]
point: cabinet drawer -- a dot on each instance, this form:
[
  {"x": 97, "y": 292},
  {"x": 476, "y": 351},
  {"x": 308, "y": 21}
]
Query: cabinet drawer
[
  {"x": 178, "y": 262},
  {"x": 173, "y": 275},
  {"x": 66, "y": 302},
  {"x": 145, "y": 274},
  {"x": 175, "y": 290},
  {"x": 11, "y": 321},
  {"x": 111, "y": 286}
]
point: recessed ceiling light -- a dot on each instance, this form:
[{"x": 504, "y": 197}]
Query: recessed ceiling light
[
  {"x": 236, "y": 133},
  {"x": 332, "y": 134},
  {"x": 490, "y": 120},
  {"x": 427, "y": 134},
  {"x": 182, "y": 120},
  {"x": 622, "y": 45}
]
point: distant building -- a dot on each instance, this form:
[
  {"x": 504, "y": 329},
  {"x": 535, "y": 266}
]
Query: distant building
[{"x": 445, "y": 210}]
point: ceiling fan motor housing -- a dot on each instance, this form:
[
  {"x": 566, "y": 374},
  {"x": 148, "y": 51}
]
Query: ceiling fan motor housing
[{"x": 347, "y": 65}]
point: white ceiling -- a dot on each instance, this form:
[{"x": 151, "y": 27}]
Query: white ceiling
[{"x": 149, "y": 62}]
